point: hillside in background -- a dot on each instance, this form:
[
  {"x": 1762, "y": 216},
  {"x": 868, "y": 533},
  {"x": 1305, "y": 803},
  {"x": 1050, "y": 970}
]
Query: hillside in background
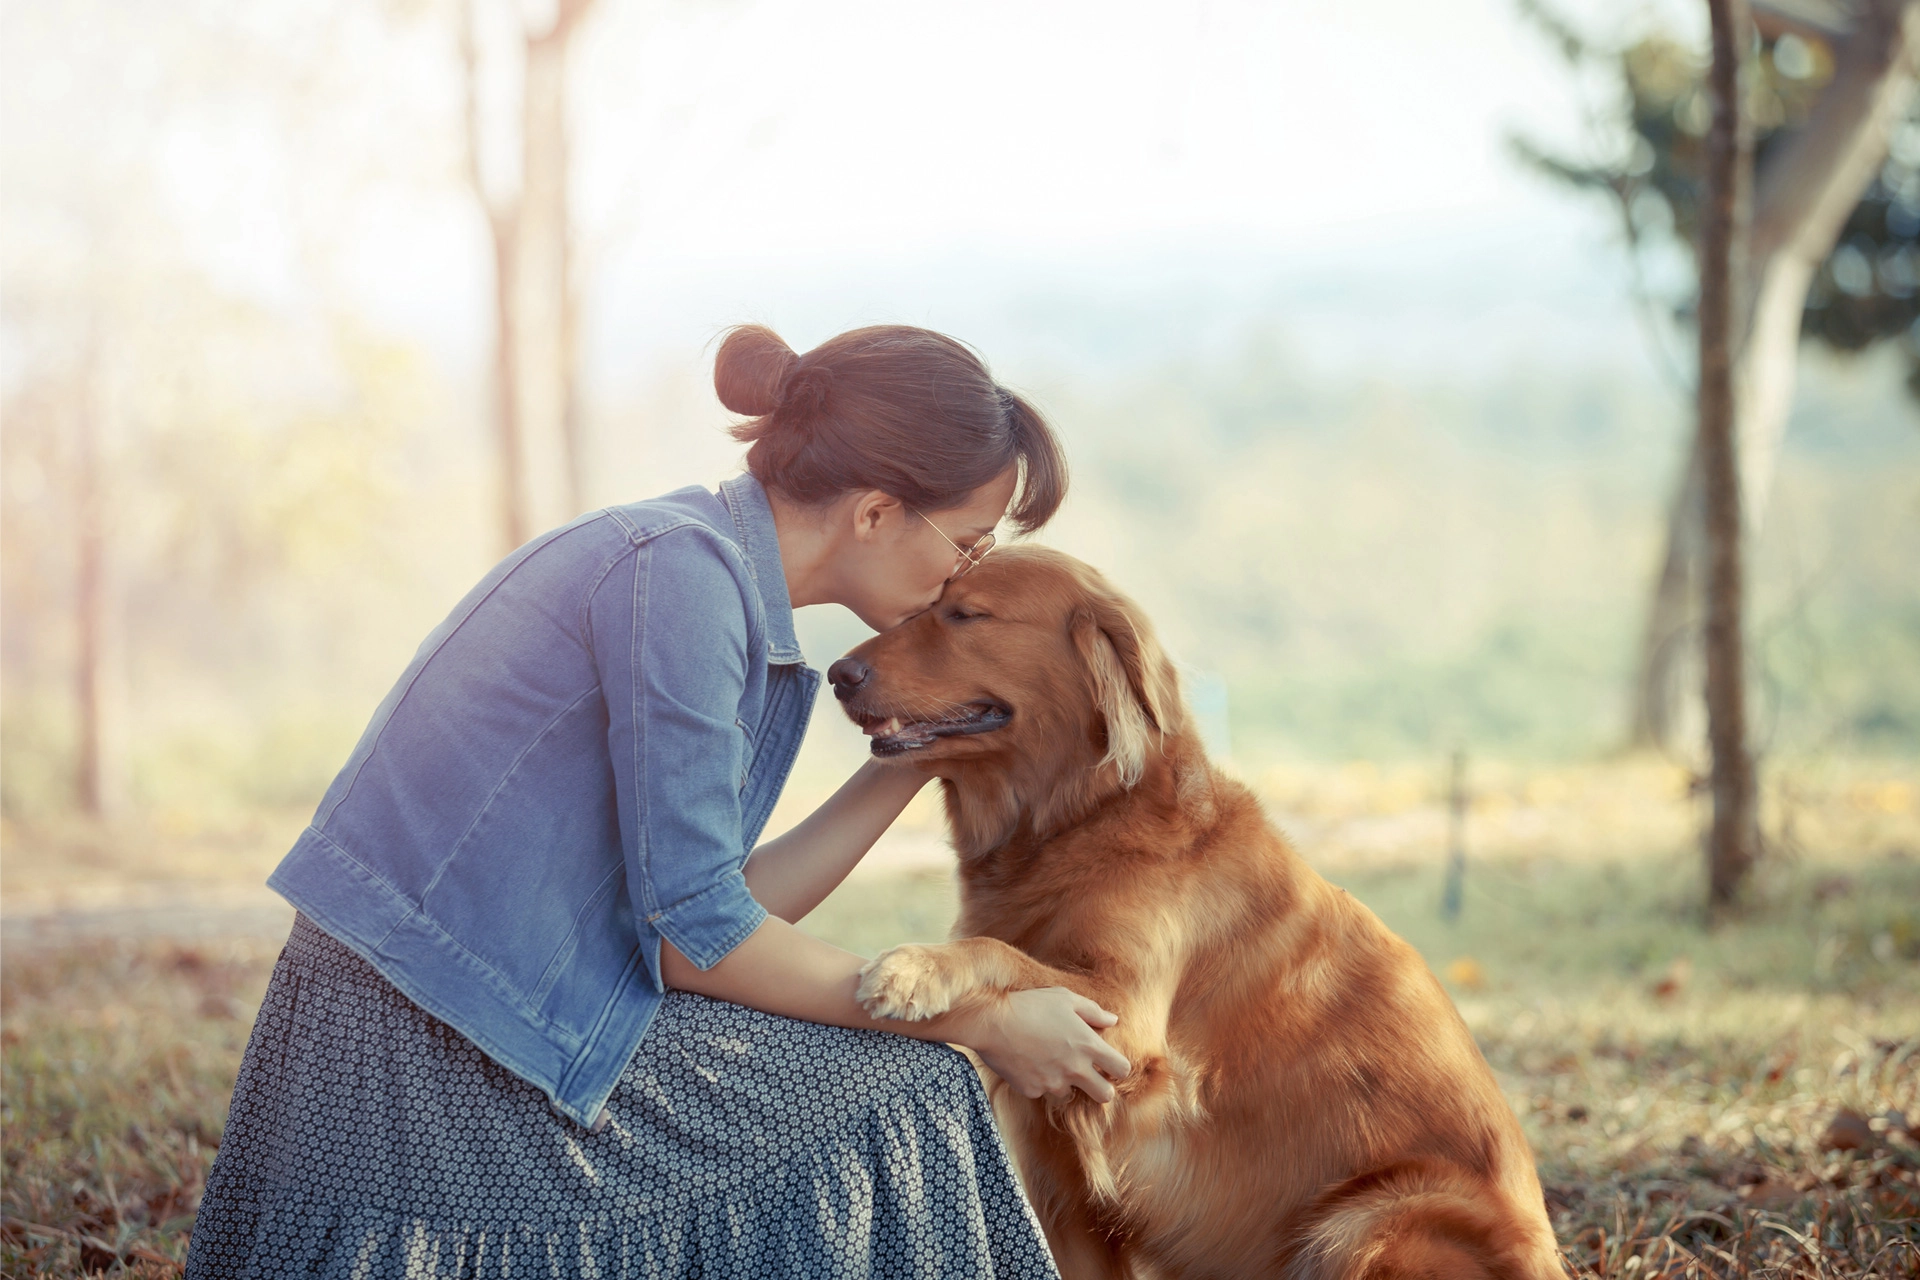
[
  {"x": 1352, "y": 561},
  {"x": 1383, "y": 566},
  {"x": 1389, "y": 566}
]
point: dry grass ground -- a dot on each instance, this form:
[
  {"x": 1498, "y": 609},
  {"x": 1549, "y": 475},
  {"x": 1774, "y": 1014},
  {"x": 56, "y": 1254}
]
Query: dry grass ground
[{"x": 1725, "y": 1102}]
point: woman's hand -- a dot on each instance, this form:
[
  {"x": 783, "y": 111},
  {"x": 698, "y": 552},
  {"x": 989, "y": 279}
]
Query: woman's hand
[{"x": 1044, "y": 1042}]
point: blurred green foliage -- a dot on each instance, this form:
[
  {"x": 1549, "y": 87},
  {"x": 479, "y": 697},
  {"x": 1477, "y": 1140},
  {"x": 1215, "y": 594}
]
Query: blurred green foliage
[
  {"x": 1868, "y": 288},
  {"x": 1375, "y": 570},
  {"x": 1383, "y": 570}
]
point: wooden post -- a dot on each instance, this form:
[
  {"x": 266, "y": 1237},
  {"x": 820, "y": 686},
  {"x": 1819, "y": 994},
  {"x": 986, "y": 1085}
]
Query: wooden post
[{"x": 1456, "y": 838}]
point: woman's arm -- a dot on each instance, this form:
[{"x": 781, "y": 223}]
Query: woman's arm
[
  {"x": 1042, "y": 1042},
  {"x": 791, "y": 875},
  {"x": 1039, "y": 1041},
  {"x": 670, "y": 642}
]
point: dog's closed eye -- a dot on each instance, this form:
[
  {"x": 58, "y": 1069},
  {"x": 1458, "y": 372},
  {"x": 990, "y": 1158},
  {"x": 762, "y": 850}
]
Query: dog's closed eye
[{"x": 958, "y": 614}]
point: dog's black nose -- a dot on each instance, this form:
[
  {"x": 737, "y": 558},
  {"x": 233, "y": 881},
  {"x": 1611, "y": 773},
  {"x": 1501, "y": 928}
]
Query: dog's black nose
[{"x": 848, "y": 675}]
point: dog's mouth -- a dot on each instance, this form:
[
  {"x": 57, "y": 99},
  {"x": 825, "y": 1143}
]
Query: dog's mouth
[{"x": 893, "y": 735}]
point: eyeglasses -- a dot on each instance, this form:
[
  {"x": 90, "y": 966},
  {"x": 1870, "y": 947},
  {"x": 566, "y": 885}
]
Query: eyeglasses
[{"x": 969, "y": 556}]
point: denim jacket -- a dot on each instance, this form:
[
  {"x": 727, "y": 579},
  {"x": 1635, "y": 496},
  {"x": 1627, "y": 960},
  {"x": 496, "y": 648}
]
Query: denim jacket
[{"x": 572, "y": 768}]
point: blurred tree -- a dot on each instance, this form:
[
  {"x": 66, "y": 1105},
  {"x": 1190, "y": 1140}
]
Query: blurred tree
[
  {"x": 188, "y": 455},
  {"x": 99, "y": 668},
  {"x": 536, "y": 298},
  {"x": 1834, "y": 252},
  {"x": 1724, "y": 230}
]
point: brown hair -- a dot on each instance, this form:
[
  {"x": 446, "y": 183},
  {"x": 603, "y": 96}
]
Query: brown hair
[{"x": 907, "y": 411}]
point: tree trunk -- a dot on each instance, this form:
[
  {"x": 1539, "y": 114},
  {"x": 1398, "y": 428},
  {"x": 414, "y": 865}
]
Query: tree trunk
[
  {"x": 536, "y": 413},
  {"x": 1658, "y": 702},
  {"x": 545, "y": 287},
  {"x": 515, "y": 522},
  {"x": 501, "y": 217},
  {"x": 1810, "y": 185},
  {"x": 572, "y": 428},
  {"x": 1723, "y": 227},
  {"x": 99, "y": 775}
]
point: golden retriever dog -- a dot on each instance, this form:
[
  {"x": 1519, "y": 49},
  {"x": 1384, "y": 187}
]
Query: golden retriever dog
[{"x": 1305, "y": 1101}]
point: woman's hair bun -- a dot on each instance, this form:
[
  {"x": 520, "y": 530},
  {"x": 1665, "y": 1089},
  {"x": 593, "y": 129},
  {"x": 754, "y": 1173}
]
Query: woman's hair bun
[
  {"x": 907, "y": 411},
  {"x": 805, "y": 391},
  {"x": 751, "y": 368}
]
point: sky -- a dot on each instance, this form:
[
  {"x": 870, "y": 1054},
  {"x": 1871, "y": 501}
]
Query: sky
[
  {"x": 1063, "y": 183},
  {"x": 1180, "y": 168},
  {"x": 888, "y": 127}
]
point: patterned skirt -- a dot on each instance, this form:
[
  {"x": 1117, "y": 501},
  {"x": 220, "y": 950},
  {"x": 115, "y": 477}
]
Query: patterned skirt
[{"x": 369, "y": 1139}]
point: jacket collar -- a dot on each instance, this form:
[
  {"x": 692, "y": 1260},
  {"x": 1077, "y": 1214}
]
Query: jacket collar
[{"x": 746, "y": 500}]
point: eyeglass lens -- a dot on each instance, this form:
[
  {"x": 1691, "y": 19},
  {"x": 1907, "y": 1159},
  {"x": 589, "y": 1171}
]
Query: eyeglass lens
[{"x": 974, "y": 554}]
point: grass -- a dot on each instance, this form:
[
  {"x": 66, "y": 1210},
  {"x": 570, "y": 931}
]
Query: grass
[
  {"x": 118, "y": 1064},
  {"x": 1680, "y": 1085}
]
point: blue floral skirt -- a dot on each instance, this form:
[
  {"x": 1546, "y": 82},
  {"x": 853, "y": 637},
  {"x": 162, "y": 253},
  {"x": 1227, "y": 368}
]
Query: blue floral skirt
[{"x": 369, "y": 1139}]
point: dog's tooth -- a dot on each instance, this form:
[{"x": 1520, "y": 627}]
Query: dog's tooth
[{"x": 893, "y": 725}]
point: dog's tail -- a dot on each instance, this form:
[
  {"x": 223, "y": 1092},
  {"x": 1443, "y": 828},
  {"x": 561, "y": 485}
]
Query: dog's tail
[{"x": 1425, "y": 1223}]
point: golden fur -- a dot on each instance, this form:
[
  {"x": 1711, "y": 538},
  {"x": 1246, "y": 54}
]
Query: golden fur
[{"x": 1305, "y": 1101}]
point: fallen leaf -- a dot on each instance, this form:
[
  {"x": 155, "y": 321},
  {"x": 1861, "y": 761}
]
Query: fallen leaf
[
  {"x": 1848, "y": 1131},
  {"x": 219, "y": 1007},
  {"x": 1832, "y": 887},
  {"x": 1675, "y": 980},
  {"x": 1465, "y": 973},
  {"x": 1771, "y": 1195},
  {"x": 95, "y": 1255}
]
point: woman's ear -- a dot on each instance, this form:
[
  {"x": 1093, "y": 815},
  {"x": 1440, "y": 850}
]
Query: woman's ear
[
  {"x": 1134, "y": 685},
  {"x": 871, "y": 511}
]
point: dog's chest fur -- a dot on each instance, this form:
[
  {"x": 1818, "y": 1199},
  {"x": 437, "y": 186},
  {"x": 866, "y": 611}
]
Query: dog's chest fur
[
  {"x": 1141, "y": 1152},
  {"x": 1146, "y": 921}
]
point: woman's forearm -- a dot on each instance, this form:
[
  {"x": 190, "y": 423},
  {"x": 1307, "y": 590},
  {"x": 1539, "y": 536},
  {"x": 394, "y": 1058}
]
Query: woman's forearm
[
  {"x": 792, "y": 874},
  {"x": 1040, "y": 1041},
  {"x": 1043, "y": 1042},
  {"x": 782, "y": 969}
]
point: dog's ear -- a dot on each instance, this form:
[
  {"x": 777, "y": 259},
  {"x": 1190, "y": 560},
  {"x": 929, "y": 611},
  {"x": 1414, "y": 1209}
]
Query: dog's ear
[{"x": 1134, "y": 685}]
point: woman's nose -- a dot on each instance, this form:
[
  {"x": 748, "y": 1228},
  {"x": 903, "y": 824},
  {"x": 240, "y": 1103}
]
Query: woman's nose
[{"x": 847, "y": 675}]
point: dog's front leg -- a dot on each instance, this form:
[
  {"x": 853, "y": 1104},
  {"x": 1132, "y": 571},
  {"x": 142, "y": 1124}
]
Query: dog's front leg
[
  {"x": 1062, "y": 1145},
  {"x": 919, "y": 981}
]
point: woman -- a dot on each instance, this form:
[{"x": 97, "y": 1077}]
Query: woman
[{"x": 539, "y": 1011}]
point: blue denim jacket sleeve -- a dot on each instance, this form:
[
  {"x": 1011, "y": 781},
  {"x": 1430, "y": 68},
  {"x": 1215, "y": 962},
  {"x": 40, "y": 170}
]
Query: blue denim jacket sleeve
[{"x": 670, "y": 635}]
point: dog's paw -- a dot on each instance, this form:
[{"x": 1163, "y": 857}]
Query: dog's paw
[{"x": 908, "y": 982}]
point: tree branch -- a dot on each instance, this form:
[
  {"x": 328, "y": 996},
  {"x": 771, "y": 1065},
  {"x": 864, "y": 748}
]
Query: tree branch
[
  {"x": 1817, "y": 173},
  {"x": 497, "y": 217},
  {"x": 567, "y": 15}
]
